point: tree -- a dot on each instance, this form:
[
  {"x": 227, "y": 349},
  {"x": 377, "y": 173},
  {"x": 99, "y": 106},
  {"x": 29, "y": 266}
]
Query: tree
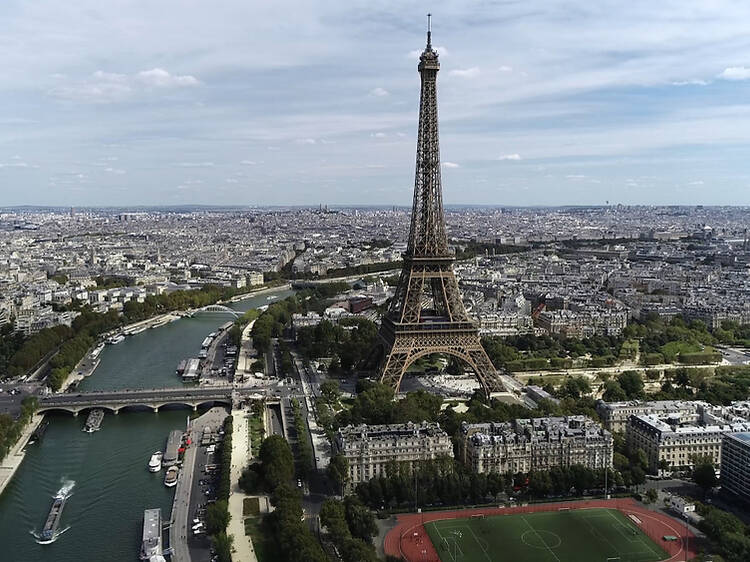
[
  {"x": 613, "y": 392},
  {"x": 574, "y": 387},
  {"x": 540, "y": 483},
  {"x": 217, "y": 517},
  {"x": 360, "y": 519},
  {"x": 338, "y": 471},
  {"x": 223, "y": 546},
  {"x": 330, "y": 391},
  {"x": 651, "y": 495},
  {"x": 249, "y": 479},
  {"x": 704, "y": 476},
  {"x": 277, "y": 460},
  {"x": 632, "y": 383}
]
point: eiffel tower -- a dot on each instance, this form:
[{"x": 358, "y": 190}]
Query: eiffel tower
[{"x": 426, "y": 314}]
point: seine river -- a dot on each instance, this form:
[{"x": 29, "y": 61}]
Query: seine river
[{"x": 112, "y": 486}]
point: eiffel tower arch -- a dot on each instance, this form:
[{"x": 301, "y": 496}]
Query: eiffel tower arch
[{"x": 427, "y": 314}]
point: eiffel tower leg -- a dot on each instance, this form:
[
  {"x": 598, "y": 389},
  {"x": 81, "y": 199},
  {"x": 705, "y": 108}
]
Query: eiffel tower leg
[
  {"x": 485, "y": 370},
  {"x": 393, "y": 368}
]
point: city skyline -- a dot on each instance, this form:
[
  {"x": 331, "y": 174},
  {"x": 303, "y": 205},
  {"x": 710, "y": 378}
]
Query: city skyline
[{"x": 297, "y": 105}]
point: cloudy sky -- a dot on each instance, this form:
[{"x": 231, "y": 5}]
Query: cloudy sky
[{"x": 130, "y": 102}]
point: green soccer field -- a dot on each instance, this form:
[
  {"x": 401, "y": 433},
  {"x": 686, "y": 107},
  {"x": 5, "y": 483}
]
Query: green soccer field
[{"x": 585, "y": 535}]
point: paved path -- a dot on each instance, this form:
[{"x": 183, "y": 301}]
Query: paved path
[
  {"x": 243, "y": 545},
  {"x": 15, "y": 456}
]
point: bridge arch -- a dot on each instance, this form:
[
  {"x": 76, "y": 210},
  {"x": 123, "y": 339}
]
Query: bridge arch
[{"x": 220, "y": 308}]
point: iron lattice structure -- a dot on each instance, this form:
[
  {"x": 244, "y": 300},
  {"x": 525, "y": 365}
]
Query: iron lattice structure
[{"x": 427, "y": 314}]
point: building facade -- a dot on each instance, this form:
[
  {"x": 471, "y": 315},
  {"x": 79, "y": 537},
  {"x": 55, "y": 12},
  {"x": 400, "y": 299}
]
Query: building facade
[
  {"x": 370, "y": 448},
  {"x": 525, "y": 445},
  {"x": 735, "y": 464},
  {"x": 670, "y": 446},
  {"x": 615, "y": 415}
]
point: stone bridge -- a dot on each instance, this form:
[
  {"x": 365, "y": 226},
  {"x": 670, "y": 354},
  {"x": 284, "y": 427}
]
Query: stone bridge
[{"x": 154, "y": 399}]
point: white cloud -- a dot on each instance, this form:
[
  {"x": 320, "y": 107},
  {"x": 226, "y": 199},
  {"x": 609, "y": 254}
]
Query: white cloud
[
  {"x": 249, "y": 162},
  {"x": 735, "y": 73},
  {"x": 160, "y": 78},
  {"x": 575, "y": 176},
  {"x": 116, "y": 171},
  {"x": 305, "y": 141},
  {"x": 691, "y": 82},
  {"x": 472, "y": 72},
  {"x": 509, "y": 157},
  {"x": 379, "y": 92},
  {"x": 451, "y": 165},
  {"x": 379, "y": 135},
  {"x": 112, "y": 87},
  {"x": 195, "y": 164},
  {"x": 505, "y": 68}
]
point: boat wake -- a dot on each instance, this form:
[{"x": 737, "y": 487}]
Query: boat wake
[
  {"x": 50, "y": 533},
  {"x": 66, "y": 489},
  {"x": 41, "y": 540}
]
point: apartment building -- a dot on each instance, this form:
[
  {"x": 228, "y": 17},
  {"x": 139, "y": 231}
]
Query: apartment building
[
  {"x": 735, "y": 464},
  {"x": 525, "y": 445},
  {"x": 615, "y": 415},
  {"x": 369, "y": 448},
  {"x": 678, "y": 446}
]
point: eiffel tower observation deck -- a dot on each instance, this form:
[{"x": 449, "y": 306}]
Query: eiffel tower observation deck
[{"x": 427, "y": 314}]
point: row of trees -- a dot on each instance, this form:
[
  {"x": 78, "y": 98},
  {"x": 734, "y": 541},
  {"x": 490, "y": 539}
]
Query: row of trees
[
  {"x": 217, "y": 513},
  {"x": 442, "y": 482},
  {"x": 11, "y": 429},
  {"x": 438, "y": 482},
  {"x": 351, "y": 527},
  {"x": 304, "y": 448},
  {"x": 292, "y": 539},
  {"x": 276, "y": 466}
]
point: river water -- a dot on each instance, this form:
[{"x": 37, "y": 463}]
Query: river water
[{"x": 104, "y": 515}]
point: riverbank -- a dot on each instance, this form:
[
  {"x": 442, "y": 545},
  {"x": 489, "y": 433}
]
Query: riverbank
[
  {"x": 15, "y": 456},
  {"x": 243, "y": 296}
]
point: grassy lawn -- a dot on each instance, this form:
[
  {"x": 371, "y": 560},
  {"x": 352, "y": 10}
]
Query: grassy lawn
[
  {"x": 586, "y": 535},
  {"x": 250, "y": 506},
  {"x": 262, "y": 543}
]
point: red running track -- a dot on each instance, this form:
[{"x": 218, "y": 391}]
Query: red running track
[{"x": 409, "y": 541}]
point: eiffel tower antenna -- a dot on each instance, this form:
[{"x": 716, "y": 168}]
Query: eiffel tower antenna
[
  {"x": 429, "y": 31},
  {"x": 427, "y": 314}
]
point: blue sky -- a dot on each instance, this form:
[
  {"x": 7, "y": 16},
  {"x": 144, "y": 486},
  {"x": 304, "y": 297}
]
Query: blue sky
[{"x": 131, "y": 102}]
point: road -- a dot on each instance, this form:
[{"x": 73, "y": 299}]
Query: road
[
  {"x": 274, "y": 414},
  {"x": 188, "y": 491},
  {"x": 735, "y": 356}
]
